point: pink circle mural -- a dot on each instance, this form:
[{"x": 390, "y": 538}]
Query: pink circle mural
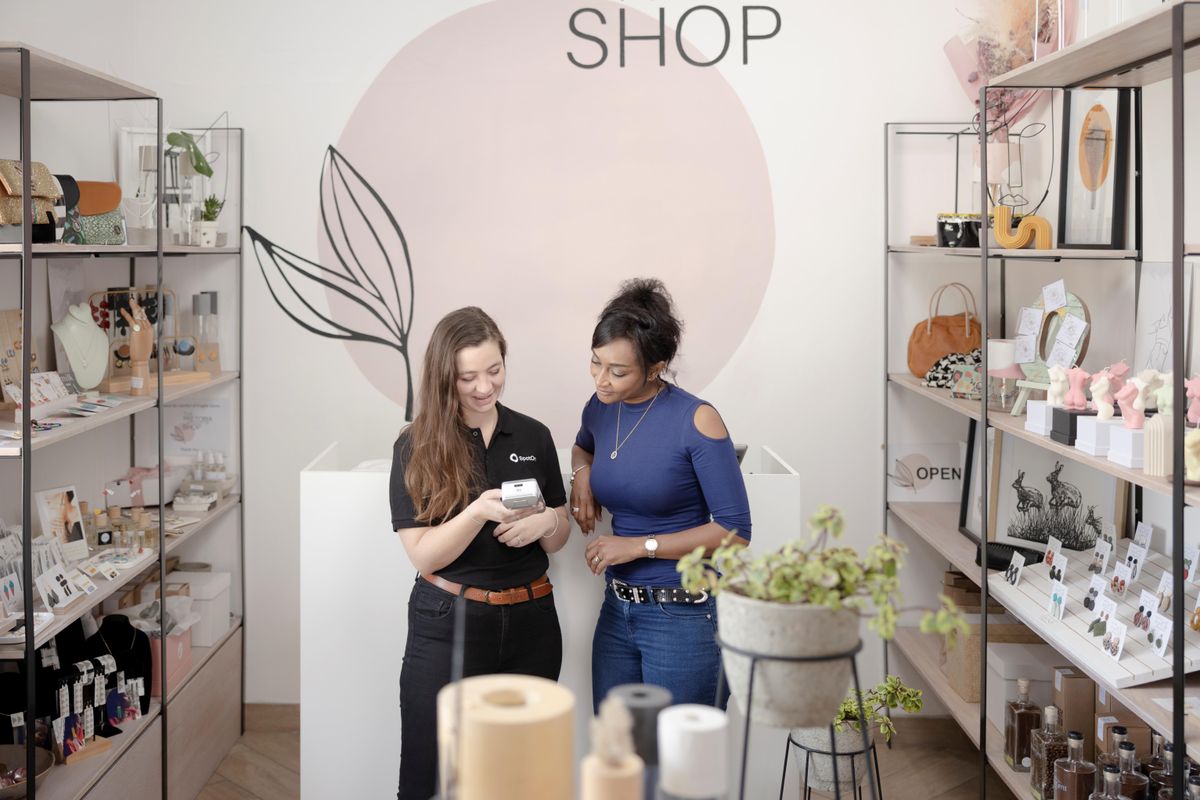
[{"x": 531, "y": 188}]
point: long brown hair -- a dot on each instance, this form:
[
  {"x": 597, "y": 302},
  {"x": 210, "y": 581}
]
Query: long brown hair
[{"x": 441, "y": 467}]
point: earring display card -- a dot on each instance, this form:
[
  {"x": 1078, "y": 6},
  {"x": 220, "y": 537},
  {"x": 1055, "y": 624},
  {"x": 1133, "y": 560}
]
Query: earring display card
[
  {"x": 1121, "y": 579},
  {"x": 1191, "y": 555},
  {"x": 1100, "y": 556},
  {"x": 1134, "y": 559},
  {"x": 1056, "y": 601},
  {"x": 1166, "y": 586},
  {"x": 11, "y": 593},
  {"x": 1160, "y": 635},
  {"x": 1095, "y": 592},
  {"x": 1106, "y": 607},
  {"x": 1143, "y": 534},
  {"x": 1147, "y": 610},
  {"x": 1053, "y": 548},
  {"x": 81, "y": 581},
  {"x": 1015, "y": 567},
  {"x": 1058, "y": 572},
  {"x": 1116, "y": 645}
]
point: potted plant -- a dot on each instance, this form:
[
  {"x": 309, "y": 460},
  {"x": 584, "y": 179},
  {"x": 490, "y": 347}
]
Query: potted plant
[
  {"x": 847, "y": 735},
  {"x": 187, "y": 144},
  {"x": 206, "y": 227},
  {"x": 803, "y": 600}
]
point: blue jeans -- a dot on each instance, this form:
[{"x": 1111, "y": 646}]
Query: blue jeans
[{"x": 665, "y": 644}]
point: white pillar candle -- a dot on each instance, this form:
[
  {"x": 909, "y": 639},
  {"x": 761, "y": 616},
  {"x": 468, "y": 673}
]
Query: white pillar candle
[
  {"x": 692, "y": 752},
  {"x": 1002, "y": 354}
]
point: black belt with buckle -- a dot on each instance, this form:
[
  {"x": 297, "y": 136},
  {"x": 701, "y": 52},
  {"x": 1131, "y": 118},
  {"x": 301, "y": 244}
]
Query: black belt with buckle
[{"x": 655, "y": 594}]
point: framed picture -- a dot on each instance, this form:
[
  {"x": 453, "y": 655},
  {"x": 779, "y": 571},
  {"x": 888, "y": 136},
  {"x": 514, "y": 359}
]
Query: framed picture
[
  {"x": 1152, "y": 340},
  {"x": 1034, "y": 494},
  {"x": 58, "y": 510},
  {"x": 1094, "y": 169}
]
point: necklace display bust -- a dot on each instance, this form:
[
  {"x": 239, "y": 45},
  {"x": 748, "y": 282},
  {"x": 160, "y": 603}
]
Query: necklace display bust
[{"x": 85, "y": 345}]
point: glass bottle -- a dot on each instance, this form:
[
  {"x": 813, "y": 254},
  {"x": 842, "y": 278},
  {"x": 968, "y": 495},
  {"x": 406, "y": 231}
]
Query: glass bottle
[
  {"x": 1134, "y": 784},
  {"x": 1153, "y": 760},
  {"x": 1047, "y": 745},
  {"x": 1074, "y": 778},
  {"x": 102, "y": 528},
  {"x": 88, "y": 520},
  {"x": 1119, "y": 734},
  {"x": 1021, "y": 719},
  {"x": 1112, "y": 785},
  {"x": 1162, "y": 778}
]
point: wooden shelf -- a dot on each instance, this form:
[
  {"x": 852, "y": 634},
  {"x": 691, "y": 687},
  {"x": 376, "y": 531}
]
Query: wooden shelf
[
  {"x": 937, "y": 524},
  {"x": 1134, "y": 53},
  {"x": 73, "y": 426},
  {"x": 10, "y": 250},
  {"x": 1028, "y": 255},
  {"x": 202, "y": 655},
  {"x": 1003, "y": 421},
  {"x": 1139, "y": 664},
  {"x": 922, "y": 651},
  {"x": 54, "y": 78},
  {"x": 106, "y": 589},
  {"x": 73, "y": 781}
]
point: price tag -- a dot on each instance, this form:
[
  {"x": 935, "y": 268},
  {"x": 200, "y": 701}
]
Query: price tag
[
  {"x": 89, "y": 726},
  {"x": 1143, "y": 534},
  {"x": 78, "y": 696},
  {"x": 64, "y": 701},
  {"x": 17, "y": 719},
  {"x": 58, "y": 730}
]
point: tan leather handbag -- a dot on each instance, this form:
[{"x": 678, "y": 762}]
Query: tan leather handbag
[{"x": 939, "y": 336}]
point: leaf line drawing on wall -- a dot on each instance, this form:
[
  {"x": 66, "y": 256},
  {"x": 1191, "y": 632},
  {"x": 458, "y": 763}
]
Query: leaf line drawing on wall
[{"x": 369, "y": 247}]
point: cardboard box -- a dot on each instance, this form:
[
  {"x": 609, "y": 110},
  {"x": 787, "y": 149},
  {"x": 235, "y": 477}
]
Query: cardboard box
[
  {"x": 1136, "y": 731},
  {"x": 150, "y": 591},
  {"x": 1075, "y": 696},
  {"x": 960, "y": 664},
  {"x": 1009, "y": 662},
  {"x": 1107, "y": 705}
]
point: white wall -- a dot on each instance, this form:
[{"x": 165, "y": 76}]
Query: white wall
[{"x": 291, "y": 73}]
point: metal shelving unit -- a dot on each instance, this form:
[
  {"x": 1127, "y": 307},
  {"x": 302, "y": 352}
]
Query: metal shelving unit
[
  {"x": 31, "y": 76},
  {"x": 1161, "y": 45}
]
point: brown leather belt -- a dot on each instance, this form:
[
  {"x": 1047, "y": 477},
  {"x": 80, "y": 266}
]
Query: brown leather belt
[{"x": 495, "y": 597}]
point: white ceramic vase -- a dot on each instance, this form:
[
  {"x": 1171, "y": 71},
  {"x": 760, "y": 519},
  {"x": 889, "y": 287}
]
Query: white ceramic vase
[
  {"x": 208, "y": 234},
  {"x": 851, "y": 770},
  {"x": 786, "y": 694}
]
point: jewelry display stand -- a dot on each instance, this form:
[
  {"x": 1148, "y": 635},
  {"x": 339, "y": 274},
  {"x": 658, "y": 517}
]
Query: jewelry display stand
[{"x": 849, "y": 655}]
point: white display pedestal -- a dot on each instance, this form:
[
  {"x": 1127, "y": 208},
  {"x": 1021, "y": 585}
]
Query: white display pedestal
[
  {"x": 1093, "y": 435},
  {"x": 1039, "y": 417},
  {"x": 354, "y": 584},
  {"x": 1126, "y": 446}
]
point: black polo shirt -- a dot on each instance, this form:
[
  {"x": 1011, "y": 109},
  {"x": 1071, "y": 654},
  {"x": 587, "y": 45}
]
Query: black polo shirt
[{"x": 521, "y": 448}]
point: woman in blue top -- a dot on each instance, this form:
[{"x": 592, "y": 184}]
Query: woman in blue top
[{"x": 662, "y": 463}]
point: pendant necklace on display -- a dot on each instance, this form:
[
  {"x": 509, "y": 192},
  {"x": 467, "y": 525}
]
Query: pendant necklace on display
[
  {"x": 132, "y": 642},
  {"x": 618, "y": 442},
  {"x": 84, "y": 352}
]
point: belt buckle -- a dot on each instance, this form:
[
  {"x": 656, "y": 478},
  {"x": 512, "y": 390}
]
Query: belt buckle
[{"x": 702, "y": 597}]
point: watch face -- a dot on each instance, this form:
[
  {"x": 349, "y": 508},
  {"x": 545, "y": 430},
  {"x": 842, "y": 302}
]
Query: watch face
[{"x": 652, "y": 544}]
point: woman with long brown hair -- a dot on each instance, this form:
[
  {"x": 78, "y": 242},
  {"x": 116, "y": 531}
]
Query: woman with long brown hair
[{"x": 447, "y": 468}]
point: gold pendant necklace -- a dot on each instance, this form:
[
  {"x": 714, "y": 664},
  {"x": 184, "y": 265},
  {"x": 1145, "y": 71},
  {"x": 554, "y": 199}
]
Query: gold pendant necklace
[{"x": 618, "y": 442}]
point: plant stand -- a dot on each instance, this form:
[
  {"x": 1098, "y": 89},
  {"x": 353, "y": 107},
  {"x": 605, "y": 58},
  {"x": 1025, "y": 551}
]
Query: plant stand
[
  {"x": 809, "y": 752},
  {"x": 755, "y": 658}
]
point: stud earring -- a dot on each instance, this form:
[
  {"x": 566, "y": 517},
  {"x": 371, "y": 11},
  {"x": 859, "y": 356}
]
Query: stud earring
[{"x": 1137, "y": 617}]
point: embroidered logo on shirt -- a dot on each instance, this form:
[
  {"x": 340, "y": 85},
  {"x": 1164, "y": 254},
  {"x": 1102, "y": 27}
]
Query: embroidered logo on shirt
[{"x": 516, "y": 459}]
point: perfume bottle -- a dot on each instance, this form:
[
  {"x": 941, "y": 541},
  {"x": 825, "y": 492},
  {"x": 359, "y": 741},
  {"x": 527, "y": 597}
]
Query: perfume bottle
[
  {"x": 102, "y": 528},
  {"x": 1047, "y": 745},
  {"x": 1112, "y": 785},
  {"x": 1074, "y": 778},
  {"x": 1134, "y": 784},
  {"x": 1119, "y": 734},
  {"x": 1153, "y": 760},
  {"x": 1161, "y": 778},
  {"x": 1021, "y": 719}
]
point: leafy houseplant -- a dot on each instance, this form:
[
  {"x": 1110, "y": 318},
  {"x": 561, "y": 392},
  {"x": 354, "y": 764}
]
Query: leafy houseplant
[
  {"x": 846, "y": 735},
  {"x": 186, "y": 142},
  {"x": 212, "y": 209},
  {"x": 803, "y": 601},
  {"x": 206, "y": 228}
]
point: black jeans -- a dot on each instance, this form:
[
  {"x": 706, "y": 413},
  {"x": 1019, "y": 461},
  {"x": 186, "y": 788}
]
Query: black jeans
[{"x": 522, "y": 638}]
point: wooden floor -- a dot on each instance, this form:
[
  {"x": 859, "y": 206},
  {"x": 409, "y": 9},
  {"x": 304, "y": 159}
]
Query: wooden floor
[
  {"x": 265, "y": 762},
  {"x": 932, "y": 760}
]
